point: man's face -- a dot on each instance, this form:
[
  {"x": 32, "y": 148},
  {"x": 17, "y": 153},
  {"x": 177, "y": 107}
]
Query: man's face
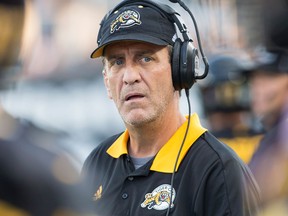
[
  {"x": 269, "y": 93},
  {"x": 138, "y": 78}
]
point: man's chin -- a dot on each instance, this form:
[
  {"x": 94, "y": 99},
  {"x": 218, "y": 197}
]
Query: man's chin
[{"x": 137, "y": 120}]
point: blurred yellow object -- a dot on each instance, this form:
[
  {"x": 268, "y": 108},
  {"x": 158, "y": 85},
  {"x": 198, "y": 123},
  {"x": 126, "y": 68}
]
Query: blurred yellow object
[
  {"x": 11, "y": 25},
  {"x": 245, "y": 147},
  {"x": 277, "y": 208},
  {"x": 9, "y": 210}
]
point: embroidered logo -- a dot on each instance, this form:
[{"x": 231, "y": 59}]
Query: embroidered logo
[
  {"x": 126, "y": 19},
  {"x": 160, "y": 198},
  {"x": 98, "y": 194}
]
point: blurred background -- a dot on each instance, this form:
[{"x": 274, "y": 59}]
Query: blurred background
[
  {"x": 52, "y": 94},
  {"x": 60, "y": 97}
]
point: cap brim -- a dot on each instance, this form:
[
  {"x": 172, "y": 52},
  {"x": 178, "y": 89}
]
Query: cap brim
[{"x": 127, "y": 37}]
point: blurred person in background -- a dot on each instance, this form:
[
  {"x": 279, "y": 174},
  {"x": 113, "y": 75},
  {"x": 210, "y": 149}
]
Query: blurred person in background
[
  {"x": 268, "y": 82},
  {"x": 34, "y": 180},
  {"x": 226, "y": 103},
  {"x": 269, "y": 95}
]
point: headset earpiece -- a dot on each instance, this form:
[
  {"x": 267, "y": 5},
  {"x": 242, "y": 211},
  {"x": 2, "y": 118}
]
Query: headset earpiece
[
  {"x": 184, "y": 64},
  {"x": 175, "y": 64},
  {"x": 187, "y": 70}
]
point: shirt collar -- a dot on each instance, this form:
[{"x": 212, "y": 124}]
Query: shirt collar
[{"x": 165, "y": 159}]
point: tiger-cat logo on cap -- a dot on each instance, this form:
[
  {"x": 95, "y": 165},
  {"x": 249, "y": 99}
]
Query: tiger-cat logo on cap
[{"x": 126, "y": 19}]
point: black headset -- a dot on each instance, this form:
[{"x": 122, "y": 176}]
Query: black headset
[{"x": 185, "y": 60}]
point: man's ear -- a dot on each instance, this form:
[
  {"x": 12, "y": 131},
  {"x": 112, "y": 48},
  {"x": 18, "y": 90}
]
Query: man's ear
[{"x": 106, "y": 82}]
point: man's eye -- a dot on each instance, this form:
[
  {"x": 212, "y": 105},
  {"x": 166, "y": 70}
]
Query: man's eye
[
  {"x": 146, "y": 59},
  {"x": 118, "y": 62}
]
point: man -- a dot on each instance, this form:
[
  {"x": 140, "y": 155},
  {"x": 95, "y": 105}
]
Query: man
[
  {"x": 33, "y": 181},
  {"x": 139, "y": 171}
]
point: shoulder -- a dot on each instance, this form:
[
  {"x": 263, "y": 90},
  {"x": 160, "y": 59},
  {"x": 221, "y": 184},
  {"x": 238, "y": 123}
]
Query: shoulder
[
  {"x": 216, "y": 149},
  {"x": 222, "y": 170},
  {"x": 215, "y": 155},
  {"x": 230, "y": 164}
]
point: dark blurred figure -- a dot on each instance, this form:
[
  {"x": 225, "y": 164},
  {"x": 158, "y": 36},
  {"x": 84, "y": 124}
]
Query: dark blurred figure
[
  {"x": 269, "y": 93},
  {"x": 33, "y": 180},
  {"x": 275, "y": 23},
  {"x": 226, "y": 104},
  {"x": 269, "y": 97}
]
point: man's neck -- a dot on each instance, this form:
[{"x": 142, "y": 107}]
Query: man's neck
[{"x": 147, "y": 140}]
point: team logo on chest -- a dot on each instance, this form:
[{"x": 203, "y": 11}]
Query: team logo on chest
[
  {"x": 160, "y": 198},
  {"x": 126, "y": 19}
]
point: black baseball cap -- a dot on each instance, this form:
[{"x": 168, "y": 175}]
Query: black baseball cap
[{"x": 136, "y": 21}]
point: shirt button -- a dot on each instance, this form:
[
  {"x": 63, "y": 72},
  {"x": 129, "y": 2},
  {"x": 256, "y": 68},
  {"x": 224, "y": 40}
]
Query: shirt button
[
  {"x": 124, "y": 196},
  {"x": 130, "y": 178}
]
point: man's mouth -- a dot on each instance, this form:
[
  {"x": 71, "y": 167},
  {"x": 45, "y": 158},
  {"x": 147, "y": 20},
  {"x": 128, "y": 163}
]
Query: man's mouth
[{"x": 133, "y": 96}]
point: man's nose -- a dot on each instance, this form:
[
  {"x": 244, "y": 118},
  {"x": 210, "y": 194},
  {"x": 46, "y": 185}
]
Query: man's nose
[{"x": 131, "y": 74}]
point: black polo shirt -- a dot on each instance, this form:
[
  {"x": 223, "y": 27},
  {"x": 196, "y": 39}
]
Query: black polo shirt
[{"x": 209, "y": 180}]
